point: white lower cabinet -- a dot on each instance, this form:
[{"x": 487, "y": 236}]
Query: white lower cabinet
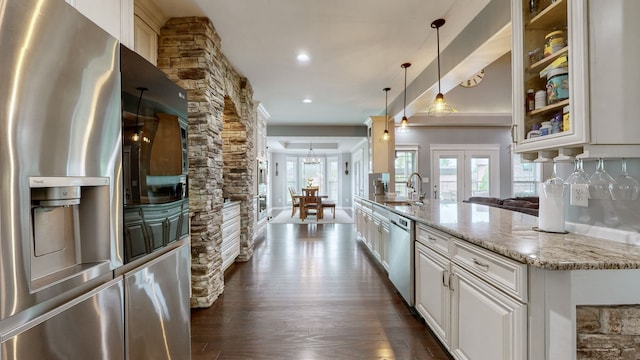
[
  {"x": 230, "y": 228},
  {"x": 485, "y": 323},
  {"x": 432, "y": 291},
  {"x": 467, "y": 303},
  {"x": 372, "y": 228},
  {"x": 384, "y": 244}
]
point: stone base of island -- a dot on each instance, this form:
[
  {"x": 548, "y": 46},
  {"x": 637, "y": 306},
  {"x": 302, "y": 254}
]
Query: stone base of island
[{"x": 482, "y": 270}]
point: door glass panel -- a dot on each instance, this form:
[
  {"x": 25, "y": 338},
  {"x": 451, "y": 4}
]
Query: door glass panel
[
  {"x": 448, "y": 167},
  {"x": 480, "y": 176}
]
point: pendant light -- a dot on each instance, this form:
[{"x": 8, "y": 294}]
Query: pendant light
[
  {"x": 311, "y": 156},
  {"x": 385, "y": 135},
  {"x": 404, "y": 122},
  {"x": 439, "y": 106}
]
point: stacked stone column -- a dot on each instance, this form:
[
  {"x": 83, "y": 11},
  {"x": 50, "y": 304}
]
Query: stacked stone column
[{"x": 189, "y": 51}]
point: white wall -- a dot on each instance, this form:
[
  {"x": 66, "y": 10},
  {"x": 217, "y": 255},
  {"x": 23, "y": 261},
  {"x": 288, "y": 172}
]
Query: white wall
[{"x": 425, "y": 136}]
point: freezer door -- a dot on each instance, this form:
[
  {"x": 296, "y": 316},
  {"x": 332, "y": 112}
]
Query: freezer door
[
  {"x": 90, "y": 326},
  {"x": 157, "y": 310}
]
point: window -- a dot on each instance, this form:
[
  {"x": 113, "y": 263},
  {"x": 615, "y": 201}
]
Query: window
[
  {"x": 405, "y": 164},
  {"x": 291, "y": 176},
  {"x": 525, "y": 177},
  {"x": 332, "y": 177},
  {"x": 313, "y": 174}
]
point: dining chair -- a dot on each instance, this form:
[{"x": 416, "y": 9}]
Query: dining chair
[
  {"x": 295, "y": 201},
  {"x": 310, "y": 203}
]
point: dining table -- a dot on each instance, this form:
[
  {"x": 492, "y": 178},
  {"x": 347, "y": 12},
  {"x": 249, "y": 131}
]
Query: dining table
[{"x": 301, "y": 198}]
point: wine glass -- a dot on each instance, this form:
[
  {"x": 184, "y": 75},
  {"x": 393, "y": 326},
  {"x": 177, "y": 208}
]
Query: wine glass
[
  {"x": 600, "y": 182},
  {"x": 553, "y": 186},
  {"x": 578, "y": 176},
  {"x": 626, "y": 187}
]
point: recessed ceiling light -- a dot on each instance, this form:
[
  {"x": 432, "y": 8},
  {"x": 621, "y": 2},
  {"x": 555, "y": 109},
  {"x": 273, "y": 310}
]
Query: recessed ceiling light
[
  {"x": 303, "y": 58},
  {"x": 307, "y": 101}
]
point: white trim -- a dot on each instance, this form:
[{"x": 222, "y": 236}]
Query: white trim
[
  {"x": 151, "y": 14},
  {"x": 465, "y": 147}
]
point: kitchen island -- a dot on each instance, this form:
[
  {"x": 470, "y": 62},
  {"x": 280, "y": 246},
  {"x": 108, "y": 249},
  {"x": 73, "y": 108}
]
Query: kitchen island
[{"x": 481, "y": 270}]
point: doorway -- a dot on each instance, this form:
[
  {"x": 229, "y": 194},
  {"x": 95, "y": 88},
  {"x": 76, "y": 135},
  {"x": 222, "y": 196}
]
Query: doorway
[{"x": 462, "y": 171}]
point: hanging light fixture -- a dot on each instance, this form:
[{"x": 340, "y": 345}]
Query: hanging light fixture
[
  {"x": 439, "y": 106},
  {"x": 405, "y": 122},
  {"x": 311, "y": 156},
  {"x": 385, "y": 135}
]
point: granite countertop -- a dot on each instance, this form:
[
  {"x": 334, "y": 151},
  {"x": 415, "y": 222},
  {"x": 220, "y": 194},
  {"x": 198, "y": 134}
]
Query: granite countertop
[{"x": 511, "y": 234}]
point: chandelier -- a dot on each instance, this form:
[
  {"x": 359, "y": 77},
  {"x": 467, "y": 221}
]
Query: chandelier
[{"x": 311, "y": 158}]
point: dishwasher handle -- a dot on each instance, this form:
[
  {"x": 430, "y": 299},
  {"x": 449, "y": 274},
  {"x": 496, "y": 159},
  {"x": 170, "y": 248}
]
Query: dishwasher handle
[{"x": 403, "y": 224}]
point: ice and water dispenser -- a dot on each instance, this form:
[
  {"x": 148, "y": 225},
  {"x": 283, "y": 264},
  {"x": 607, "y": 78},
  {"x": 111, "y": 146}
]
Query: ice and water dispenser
[{"x": 70, "y": 228}]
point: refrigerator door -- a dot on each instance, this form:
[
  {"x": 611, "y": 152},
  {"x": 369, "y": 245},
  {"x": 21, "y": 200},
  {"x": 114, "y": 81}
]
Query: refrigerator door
[
  {"x": 59, "y": 125},
  {"x": 90, "y": 326},
  {"x": 157, "y": 309}
]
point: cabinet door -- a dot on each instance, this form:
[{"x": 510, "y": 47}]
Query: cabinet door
[
  {"x": 376, "y": 228},
  {"x": 614, "y": 71},
  {"x": 357, "y": 214},
  {"x": 368, "y": 232},
  {"x": 432, "y": 290},
  {"x": 486, "y": 324},
  {"x": 384, "y": 245},
  {"x": 529, "y": 34}
]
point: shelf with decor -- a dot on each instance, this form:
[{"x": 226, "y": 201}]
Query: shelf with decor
[
  {"x": 600, "y": 68},
  {"x": 547, "y": 50}
]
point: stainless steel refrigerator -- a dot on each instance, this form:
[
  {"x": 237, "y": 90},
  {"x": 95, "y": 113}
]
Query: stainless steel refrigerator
[{"x": 60, "y": 198}]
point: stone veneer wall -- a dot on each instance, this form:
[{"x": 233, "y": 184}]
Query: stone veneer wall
[
  {"x": 239, "y": 169},
  {"x": 608, "y": 332},
  {"x": 189, "y": 51}
]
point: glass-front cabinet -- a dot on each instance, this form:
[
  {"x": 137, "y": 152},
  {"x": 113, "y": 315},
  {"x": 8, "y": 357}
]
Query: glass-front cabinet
[
  {"x": 575, "y": 77},
  {"x": 550, "y": 74}
]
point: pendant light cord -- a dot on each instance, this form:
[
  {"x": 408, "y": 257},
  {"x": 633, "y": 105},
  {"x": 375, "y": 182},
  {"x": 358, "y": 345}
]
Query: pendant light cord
[
  {"x": 386, "y": 107},
  {"x": 438, "y": 42},
  {"x": 436, "y": 24},
  {"x": 404, "y": 110}
]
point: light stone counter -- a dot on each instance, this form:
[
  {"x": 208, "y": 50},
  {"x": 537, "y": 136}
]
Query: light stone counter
[{"x": 511, "y": 234}]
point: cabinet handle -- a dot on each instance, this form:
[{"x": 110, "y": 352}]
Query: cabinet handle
[
  {"x": 451, "y": 278},
  {"x": 431, "y": 238},
  {"x": 445, "y": 278},
  {"x": 513, "y": 133},
  {"x": 484, "y": 267}
]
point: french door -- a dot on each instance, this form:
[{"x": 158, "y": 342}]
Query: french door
[{"x": 462, "y": 171}]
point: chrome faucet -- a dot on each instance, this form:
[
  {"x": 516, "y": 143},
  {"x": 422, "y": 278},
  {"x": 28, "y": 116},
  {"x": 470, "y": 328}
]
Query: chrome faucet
[{"x": 412, "y": 186}]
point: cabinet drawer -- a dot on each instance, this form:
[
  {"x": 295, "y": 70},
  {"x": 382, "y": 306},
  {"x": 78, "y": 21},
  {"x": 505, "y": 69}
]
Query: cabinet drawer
[
  {"x": 231, "y": 241},
  {"x": 230, "y": 212},
  {"x": 229, "y": 255},
  {"x": 432, "y": 238},
  {"x": 505, "y": 274},
  {"x": 230, "y": 226}
]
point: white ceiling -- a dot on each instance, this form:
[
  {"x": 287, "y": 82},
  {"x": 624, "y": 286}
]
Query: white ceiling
[{"x": 356, "y": 49}]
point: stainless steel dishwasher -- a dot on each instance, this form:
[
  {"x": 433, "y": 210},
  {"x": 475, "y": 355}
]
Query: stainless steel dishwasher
[{"x": 401, "y": 256}]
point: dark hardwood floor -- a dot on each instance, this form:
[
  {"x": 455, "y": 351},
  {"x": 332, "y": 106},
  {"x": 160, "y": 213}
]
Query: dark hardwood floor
[{"x": 309, "y": 292}]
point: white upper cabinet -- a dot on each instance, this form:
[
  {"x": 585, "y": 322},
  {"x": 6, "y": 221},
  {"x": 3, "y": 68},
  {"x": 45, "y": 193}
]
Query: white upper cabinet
[
  {"x": 594, "y": 37},
  {"x": 530, "y": 33},
  {"x": 114, "y": 16},
  {"x": 614, "y": 59}
]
